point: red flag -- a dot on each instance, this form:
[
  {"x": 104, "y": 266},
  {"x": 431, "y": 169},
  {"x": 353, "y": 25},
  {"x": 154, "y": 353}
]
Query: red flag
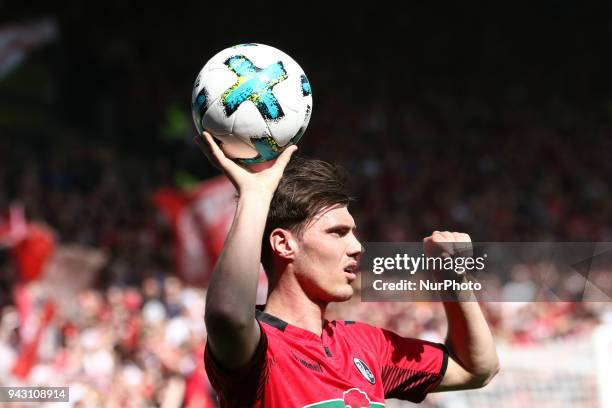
[
  {"x": 32, "y": 253},
  {"x": 200, "y": 220},
  {"x": 214, "y": 204},
  {"x": 31, "y": 244},
  {"x": 29, "y": 349}
]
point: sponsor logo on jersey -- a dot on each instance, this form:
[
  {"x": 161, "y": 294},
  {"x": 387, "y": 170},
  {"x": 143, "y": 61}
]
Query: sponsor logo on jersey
[
  {"x": 313, "y": 365},
  {"x": 351, "y": 398}
]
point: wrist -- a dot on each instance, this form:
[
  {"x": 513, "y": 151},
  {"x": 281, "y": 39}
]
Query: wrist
[{"x": 258, "y": 195}]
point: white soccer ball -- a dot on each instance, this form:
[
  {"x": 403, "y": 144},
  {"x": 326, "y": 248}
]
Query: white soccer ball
[{"x": 253, "y": 98}]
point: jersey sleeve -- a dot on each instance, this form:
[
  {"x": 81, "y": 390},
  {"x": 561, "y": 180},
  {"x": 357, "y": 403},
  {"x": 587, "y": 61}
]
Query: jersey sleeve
[
  {"x": 244, "y": 386},
  {"x": 411, "y": 368}
]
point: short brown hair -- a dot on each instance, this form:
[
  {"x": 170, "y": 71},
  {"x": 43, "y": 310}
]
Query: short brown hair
[{"x": 307, "y": 187}]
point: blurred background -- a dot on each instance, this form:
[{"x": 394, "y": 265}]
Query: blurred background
[{"x": 491, "y": 119}]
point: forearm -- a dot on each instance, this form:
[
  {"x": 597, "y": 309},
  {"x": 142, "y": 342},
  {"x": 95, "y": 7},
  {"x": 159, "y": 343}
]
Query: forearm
[
  {"x": 469, "y": 339},
  {"x": 233, "y": 286},
  {"x": 233, "y": 333},
  {"x": 473, "y": 359}
]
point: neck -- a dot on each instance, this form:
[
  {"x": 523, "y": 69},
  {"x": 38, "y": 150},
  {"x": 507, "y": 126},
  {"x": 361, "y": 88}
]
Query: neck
[{"x": 291, "y": 304}]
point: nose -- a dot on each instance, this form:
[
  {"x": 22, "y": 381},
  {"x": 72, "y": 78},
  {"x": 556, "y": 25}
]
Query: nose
[{"x": 355, "y": 249}]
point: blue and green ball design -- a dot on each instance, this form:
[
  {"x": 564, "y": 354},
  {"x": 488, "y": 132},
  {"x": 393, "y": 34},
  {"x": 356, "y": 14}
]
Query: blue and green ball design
[
  {"x": 305, "y": 85},
  {"x": 200, "y": 104},
  {"x": 255, "y": 84}
]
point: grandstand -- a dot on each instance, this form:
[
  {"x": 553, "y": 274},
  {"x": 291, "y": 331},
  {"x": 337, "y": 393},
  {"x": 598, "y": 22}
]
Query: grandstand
[{"x": 503, "y": 130}]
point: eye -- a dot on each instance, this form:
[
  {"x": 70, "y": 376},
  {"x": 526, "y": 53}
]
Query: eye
[{"x": 339, "y": 232}]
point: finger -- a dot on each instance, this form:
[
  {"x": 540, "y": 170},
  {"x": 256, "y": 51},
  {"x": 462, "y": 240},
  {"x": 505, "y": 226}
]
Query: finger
[
  {"x": 442, "y": 236},
  {"x": 232, "y": 169},
  {"x": 214, "y": 147},
  {"x": 444, "y": 243},
  {"x": 461, "y": 237},
  {"x": 431, "y": 244},
  {"x": 448, "y": 236},
  {"x": 285, "y": 156},
  {"x": 463, "y": 244},
  {"x": 448, "y": 240},
  {"x": 218, "y": 154}
]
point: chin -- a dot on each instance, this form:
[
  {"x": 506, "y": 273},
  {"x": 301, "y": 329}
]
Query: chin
[{"x": 344, "y": 294}]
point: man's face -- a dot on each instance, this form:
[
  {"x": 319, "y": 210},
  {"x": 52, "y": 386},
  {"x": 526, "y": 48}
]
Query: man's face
[{"x": 327, "y": 256}]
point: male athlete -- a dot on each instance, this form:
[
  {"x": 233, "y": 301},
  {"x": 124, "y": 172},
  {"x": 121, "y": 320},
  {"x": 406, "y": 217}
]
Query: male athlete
[{"x": 293, "y": 217}]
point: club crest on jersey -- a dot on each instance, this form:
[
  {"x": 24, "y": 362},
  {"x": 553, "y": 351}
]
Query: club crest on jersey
[{"x": 364, "y": 370}]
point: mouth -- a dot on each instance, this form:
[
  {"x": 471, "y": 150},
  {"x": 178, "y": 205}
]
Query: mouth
[
  {"x": 350, "y": 272},
  {"x": 350, "y": 276}
]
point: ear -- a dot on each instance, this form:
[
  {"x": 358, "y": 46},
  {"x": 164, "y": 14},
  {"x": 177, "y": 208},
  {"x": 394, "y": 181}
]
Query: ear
[{"x": 283, "y": 243}]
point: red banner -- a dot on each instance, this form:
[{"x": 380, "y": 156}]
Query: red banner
[{"x": 200, "y": 220}]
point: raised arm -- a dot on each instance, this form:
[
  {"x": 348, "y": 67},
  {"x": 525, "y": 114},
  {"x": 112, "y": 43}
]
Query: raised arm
[
  {"x": 473, "y": 360},
  {"x": 233, "y": 333}
]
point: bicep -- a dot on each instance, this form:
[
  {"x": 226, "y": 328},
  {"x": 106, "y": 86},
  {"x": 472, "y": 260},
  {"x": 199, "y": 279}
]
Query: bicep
[
  {"x": 231, "y": 346},
  {"x": 456, "y": 378},
  {"x": 237, "y": 374}
]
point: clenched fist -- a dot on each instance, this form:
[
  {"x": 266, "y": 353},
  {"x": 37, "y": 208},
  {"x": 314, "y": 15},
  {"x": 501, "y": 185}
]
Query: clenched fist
[{"x": 448, "y": 245}]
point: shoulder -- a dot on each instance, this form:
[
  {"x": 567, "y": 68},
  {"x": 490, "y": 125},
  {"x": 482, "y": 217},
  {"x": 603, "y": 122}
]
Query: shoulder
[
  {"x": 385, "y": 341},
  {"x": 358, "y": 332},
  {"x": 272, "y": 323},
  {"x": 355, "y": 326}
]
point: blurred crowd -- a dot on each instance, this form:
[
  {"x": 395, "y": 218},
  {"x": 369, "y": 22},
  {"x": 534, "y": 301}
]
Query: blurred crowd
[
  {"x": 459, "y": 165},
  {"x": 145, "y": 343}
]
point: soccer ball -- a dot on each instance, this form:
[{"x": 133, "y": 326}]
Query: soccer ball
[{"x": 253, "y": 98}]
